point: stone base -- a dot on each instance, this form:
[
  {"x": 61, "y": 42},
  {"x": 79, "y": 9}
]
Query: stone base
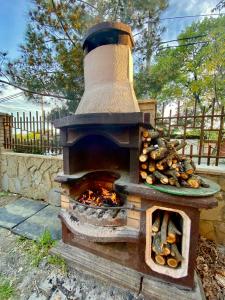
[{"x": 124, "y": 277}]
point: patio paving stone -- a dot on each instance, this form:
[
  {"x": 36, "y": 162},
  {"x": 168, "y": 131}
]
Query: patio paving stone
[
  {"x": 45, "y": 219},
  {"x": 18, "y": 211}
]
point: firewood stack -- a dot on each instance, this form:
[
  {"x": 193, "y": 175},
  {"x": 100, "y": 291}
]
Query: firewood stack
[
  {"x": 166, "y": 240},
  {"x": 161, "y": 163}
]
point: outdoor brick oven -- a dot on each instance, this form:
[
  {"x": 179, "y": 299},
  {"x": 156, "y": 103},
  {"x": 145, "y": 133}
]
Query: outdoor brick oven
[{"x": 101, "y": 145}]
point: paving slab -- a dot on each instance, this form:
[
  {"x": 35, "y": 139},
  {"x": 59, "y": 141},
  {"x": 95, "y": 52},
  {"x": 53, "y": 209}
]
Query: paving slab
[
  {"x": 18, "y": 211},
  {"x": 45, "y": 219}
]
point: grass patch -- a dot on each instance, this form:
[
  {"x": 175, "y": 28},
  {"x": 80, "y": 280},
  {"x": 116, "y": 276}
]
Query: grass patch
[
  {"x": 6, "y": 288},
  {"x": 38, "y": 250},
  {"x": 57, "y": 260},
  {"x": 3, "y": 194}
]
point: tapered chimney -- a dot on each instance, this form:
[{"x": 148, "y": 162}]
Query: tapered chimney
[{"x": 108, "y": 70}]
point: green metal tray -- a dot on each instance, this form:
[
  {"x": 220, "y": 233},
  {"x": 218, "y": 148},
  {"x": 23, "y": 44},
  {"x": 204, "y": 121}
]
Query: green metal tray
[{"x": 182, "y": 191}]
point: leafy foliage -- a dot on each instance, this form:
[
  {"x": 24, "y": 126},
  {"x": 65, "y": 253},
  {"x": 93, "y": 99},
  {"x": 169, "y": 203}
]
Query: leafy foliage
[
  {"x": 52, "y": 57},
  {"x": 190, "y": 72}
]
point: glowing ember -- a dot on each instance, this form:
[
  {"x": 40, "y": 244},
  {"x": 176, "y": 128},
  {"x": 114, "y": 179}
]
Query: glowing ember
[{"x": 99, "y": 196}]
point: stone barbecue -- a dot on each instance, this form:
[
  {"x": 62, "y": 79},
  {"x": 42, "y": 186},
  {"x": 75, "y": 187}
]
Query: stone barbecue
[{"x": 106, "y": 211}]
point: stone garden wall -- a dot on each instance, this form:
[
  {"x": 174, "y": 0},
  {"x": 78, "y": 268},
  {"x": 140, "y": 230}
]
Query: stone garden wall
[
  {"x": 212, "y": 224},
  {"x": 30, "y": 175},
  {"x": 33, "y": 176}
]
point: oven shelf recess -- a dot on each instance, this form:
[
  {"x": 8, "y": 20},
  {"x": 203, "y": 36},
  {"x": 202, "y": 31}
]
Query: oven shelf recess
[{"x": 99, "y": 233}]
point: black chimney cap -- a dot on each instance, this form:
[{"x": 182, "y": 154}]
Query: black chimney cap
[{"x": 106, "y": 33}]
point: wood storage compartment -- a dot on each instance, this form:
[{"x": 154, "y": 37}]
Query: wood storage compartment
[{"x": 167, "y": 241}]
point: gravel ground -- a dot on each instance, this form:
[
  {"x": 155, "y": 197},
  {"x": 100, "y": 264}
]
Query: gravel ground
[
  {"x": 6, "y": 198},
  {"x": 48, "y": 281}
]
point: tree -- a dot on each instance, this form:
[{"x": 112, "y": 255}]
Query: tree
[
  {"x": 194, "y": 70},
  {"x": 51, "y": 56}
]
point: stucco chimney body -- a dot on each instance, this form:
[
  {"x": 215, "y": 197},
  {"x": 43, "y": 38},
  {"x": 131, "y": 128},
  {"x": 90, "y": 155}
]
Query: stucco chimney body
[{"x": 108, "y": 70}]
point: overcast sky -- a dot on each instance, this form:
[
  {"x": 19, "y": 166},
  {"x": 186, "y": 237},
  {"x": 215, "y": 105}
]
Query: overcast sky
[{"x": 13, "y": 19}]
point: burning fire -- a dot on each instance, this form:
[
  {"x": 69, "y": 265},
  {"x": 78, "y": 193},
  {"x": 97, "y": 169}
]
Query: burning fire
[{"x": 99, "y": 196}]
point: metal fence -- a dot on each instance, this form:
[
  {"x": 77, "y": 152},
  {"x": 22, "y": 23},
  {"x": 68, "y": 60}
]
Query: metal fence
[
  {"x": 202, "y": 128},
  {"x": 31, "y": 133}
]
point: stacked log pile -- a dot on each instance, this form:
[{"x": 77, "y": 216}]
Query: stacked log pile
[
  {"x": 166, "y": 240},
  {"x": 161, "y": 163}
]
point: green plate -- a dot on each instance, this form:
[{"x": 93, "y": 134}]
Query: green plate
[{"x": 182, "y": 191}]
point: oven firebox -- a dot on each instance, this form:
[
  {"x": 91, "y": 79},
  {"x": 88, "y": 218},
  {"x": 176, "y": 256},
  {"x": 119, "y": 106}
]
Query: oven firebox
[{"x": 101, "y": 146}]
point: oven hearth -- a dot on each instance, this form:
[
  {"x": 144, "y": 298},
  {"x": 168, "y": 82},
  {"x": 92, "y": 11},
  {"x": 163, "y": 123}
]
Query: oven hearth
[{"x": 106, "y": 211}]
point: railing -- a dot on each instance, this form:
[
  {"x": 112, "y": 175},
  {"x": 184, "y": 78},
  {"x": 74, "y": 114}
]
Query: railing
[
  {"x": 31, "y": 133},
  {"x": 202, "y": 128}
]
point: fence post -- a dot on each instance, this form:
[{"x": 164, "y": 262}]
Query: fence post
[
  {"x": 5, "y": 132},
  {"x": 148, "y": 106}
]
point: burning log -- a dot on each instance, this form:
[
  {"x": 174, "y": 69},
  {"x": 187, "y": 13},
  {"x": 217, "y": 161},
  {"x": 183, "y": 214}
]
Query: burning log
[{"x": 99, "y": 196}]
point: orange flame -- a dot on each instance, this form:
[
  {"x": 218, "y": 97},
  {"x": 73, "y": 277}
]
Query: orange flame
[{"x": 99, "y": 196}]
